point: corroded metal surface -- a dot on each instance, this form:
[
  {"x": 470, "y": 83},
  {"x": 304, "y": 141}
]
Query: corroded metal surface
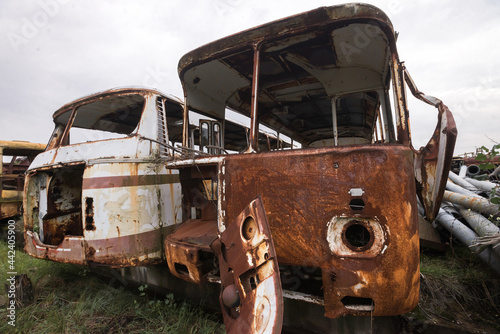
[
  {"x": 12, "y": 174},
  {"x": 305, "y": 201},
  {"x": 184, "y": 247},
  {"x": 342, "y": 209},
  {"x": 433, "y": 161},
  {"x": 138, "y": 249},
  {"x": 251, "y": 297},
  {"x": 105, "y": 200}
]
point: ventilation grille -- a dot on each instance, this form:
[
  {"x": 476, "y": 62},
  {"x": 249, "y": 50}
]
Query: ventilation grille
[{"x": 162, "y": 126}]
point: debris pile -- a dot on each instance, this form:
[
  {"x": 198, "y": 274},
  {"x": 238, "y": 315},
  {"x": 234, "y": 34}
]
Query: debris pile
[{"x": 470, "y": 212}]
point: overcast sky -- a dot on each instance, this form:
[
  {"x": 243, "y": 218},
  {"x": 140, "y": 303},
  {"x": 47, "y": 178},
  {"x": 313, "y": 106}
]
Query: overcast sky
[{"x": 55, "y": 51}]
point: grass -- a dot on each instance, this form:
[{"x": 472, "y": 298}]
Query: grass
[
  {"x": 458, "y": 288},
  {"x": 457, "y": 263},
  {"x": 68, "y": 300}
]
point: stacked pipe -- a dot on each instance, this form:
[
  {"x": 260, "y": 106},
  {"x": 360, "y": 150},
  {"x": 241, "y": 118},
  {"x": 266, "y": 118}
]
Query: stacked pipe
[{"x": 469, "y": 215}]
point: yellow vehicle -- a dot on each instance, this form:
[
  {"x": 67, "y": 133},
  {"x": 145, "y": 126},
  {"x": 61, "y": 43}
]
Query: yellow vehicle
[{"x": 17, "y": 155}]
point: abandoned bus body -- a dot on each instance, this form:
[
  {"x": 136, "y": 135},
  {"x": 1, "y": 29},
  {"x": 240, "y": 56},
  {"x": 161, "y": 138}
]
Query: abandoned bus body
[
  {"x": 100, "y": 192},
  {"x": 18, "y": 156},
  {"x": 21, "y": 153},
  {"x": 342, "y": 208},
  {"x": 322, "y": 211}
]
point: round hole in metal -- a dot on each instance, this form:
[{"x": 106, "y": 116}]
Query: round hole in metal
[
  {"x": 249, "y": 228},
  {"x": 358, "y": 236}
]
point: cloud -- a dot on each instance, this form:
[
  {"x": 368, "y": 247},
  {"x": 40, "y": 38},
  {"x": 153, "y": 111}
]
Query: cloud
[{"x": 55, "y": 51}]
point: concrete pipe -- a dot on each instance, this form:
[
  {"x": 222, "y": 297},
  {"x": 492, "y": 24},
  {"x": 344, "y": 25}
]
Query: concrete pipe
[
  {"x": 473, "y": 170},
  {"x": 466, "y": 236},
  {"x": 484, "y": 185},
  {"x": 461, "y": 182},
  {"x": 482, "y": 226},
  {"x": 474, "y": 203}
]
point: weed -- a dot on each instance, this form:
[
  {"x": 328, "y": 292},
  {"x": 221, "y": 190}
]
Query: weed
[{"x": 69, "y": 300}]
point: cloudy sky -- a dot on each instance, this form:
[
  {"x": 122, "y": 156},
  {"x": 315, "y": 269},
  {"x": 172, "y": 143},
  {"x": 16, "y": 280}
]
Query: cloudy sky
[{"x": 55, "y": 51}]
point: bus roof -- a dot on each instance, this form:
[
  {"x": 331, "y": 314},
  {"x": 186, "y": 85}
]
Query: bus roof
[{"x": 305, "y": 61}]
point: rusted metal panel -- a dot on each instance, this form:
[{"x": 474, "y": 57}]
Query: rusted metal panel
[
  {"x": 310, "y": 199},
  {"x": 132, "y": 250},
  {"x": 70, "y": 250},
  {"x": 10, "y": 206},
  {"x": 21, "y": 148},
  {"x": 12, "y": 174},
  {"x": 251, "y": 297},
  {"x": 110, "y": 200},
  {"x": 119, "y": 220},
  {"x": 433, "y": 162},
  {"x": 183, "y": 249}
]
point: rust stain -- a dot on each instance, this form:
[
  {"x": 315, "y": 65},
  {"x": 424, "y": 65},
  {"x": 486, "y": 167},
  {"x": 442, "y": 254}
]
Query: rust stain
[
  {"x": 300, "y": 202},
  {"x": 251, "y": 297},
  {"x": 185, "y": 247}
]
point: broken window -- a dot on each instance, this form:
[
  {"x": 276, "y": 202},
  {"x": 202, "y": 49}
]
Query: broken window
[{"x": 113, "y": 117}]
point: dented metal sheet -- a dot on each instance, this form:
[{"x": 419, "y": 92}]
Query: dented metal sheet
[
  {"x": 186, "y": 249},
  {"x": 12, "y": 172},
  {"x": 251, "y": 297},
  {"x": 358, "y": 244},
  {"x": 433, "y": 161}
]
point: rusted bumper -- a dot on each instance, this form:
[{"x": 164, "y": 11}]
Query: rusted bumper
[
  {"x": 125, "y": 251},
  {"x": 71, "y": 249}
]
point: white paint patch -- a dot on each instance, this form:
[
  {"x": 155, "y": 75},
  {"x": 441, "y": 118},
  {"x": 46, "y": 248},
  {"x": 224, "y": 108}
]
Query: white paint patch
[
  {"x": 303, "y": 297},
  {"x": 250, "y": 259},
  {"x": 358, "y": 287}
]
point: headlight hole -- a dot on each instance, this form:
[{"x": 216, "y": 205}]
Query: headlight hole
[
  {"x": 358, "y": 235},
  {"x": 249, "y": 228}
]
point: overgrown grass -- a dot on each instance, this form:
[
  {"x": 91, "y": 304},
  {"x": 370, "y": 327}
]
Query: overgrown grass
[
  {"x": 458, "y": 262},
  {"x": 459, "y": 289},
  {"x": 68, "y": 300},
  {"x": 455, "y": 287}
]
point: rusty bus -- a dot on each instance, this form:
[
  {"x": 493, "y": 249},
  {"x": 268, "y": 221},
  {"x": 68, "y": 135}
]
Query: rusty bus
[
  {"x": 327, "y": 217},
  {"x": 100, "y": 193},
  {"x": 18, "y": 156}
]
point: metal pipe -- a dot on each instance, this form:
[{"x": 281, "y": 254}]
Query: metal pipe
[
  {"x": 466, "y": 236},
  {"x": 478, "y": 204},
  {"x": 254, "y": 124},
  {"x": 496, "y": 172},
  {"x": 334, "y": 119},
  {"x": 484, "y": 185},
  {"x": 457, "y": 189},
  {"x": 482, "y": 226},
  {"x": 402, "y": 122},
  {"x": 473, "y": 170},
  {"x": 461, "y": 182},
  {"x": 185, "y": 123},
  {"x": 463, "y": 171},
  {"x": 383, "y": 113}
]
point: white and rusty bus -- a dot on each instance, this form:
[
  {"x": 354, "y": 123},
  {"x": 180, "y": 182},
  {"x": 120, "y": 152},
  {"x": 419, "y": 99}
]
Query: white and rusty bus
[{"x": 329, "y": 220}]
